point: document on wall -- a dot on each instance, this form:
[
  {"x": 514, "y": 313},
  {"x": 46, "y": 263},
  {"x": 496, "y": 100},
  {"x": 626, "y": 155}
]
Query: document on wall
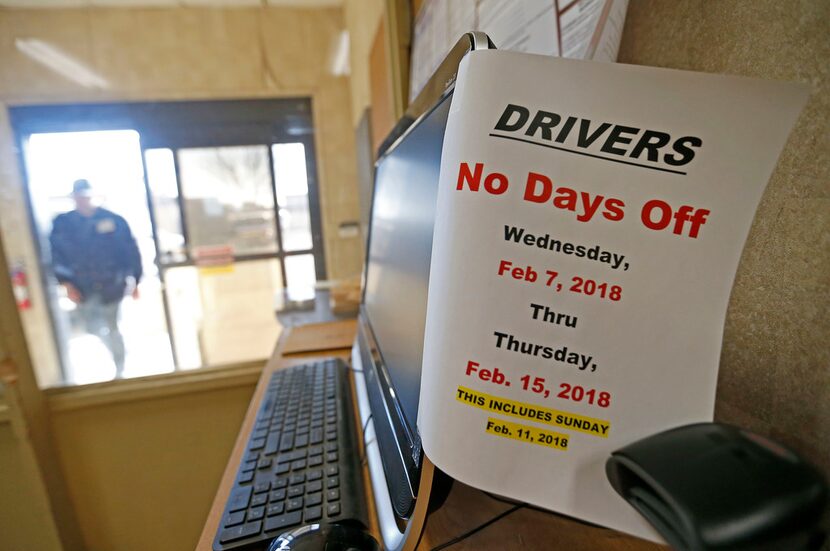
[
  {"x": 590, "y": 221},
  {"x": 579, "y": 29}
]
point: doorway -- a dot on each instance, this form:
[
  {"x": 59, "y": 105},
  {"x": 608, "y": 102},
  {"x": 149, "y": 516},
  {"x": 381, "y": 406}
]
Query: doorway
[
  {"x": 112, "y": 161},
  {"x": 221, "y": 198}
]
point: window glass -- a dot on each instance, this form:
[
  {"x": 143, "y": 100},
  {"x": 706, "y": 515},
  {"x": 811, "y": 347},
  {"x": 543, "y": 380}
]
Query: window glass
[
  {"x": 228, "y": 199},
  {"x": 238, "y": 319},
  {"x": 292, "y": 195},
  {"x": 299, "y": 271}
]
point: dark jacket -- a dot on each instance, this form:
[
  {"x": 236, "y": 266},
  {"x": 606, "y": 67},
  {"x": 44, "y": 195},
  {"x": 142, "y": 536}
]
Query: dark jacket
[{"x": 96, "y": 254}]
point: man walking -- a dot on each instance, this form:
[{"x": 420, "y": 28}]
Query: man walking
[{"x": 94, "y": 256}]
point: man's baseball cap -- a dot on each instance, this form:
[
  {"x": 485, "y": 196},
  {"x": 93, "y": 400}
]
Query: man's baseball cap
[{"x": 82, "y": 187}]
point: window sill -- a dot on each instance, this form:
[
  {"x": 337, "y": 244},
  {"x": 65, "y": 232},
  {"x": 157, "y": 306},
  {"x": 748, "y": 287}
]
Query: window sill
[{"x": 152, "y": 387}]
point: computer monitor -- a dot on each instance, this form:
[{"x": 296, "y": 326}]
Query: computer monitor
[{"x": 389, "y": 345}]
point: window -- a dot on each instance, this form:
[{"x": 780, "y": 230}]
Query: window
[{"x": 221, "y": 200}]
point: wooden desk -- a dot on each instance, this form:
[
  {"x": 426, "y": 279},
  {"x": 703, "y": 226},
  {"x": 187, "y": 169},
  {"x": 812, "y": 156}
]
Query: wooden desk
[{"x": 466, "y": 507}]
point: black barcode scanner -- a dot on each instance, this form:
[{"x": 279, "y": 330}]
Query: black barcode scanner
[{"x": 713, "y": 487}]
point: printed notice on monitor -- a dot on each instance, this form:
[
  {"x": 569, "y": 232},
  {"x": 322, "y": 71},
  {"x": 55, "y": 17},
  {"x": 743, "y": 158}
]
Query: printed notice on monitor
[{"x": 590, "y": 222}]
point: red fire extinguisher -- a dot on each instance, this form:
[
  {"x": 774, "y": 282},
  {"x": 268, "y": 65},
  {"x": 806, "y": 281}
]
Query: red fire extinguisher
[{"x": 20, "y": 287}]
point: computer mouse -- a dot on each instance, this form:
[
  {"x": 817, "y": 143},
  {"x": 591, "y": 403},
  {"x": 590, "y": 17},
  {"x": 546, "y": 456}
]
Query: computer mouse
[
  {"x": 715, "y": 487},
  {"x": 325, "y": 537}
]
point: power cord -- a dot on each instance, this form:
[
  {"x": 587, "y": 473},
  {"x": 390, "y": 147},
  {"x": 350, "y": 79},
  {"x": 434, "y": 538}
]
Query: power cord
[
  {"x": 506, "y": 500},
  {"x": 363, "y": 456},
  {"x": 540, "y": 509},
  {"x": 478, "y": 528},
  {"x": 350, "y": 367}
]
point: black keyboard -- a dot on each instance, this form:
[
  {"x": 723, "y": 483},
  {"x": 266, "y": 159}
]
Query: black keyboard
[{"x": 302, "y": 462}]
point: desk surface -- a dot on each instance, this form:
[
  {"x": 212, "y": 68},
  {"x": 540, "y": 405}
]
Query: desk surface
[{"x": 466, "y": 507}]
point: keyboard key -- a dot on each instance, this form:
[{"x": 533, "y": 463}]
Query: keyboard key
[
  {"x": 286, "y": 457},
  {"x": 251, "y": 529},
  {"x": 333, "y": 509},
  {"x": 315, "y": 486},
  {"x": 283, "y": 521},
  {"x": 315, "y": 450},
  {"x": 331, "y": 447},
  {"x": 281, "y": 483},
  {"x": 313, "y": 513},
  {"x": 296, "y": 491},
  {"x": 232, "y": 519},
  {"x": 332, "y": 470},
  {"x": 275, "y": 509},
  {"x": 241, "y": 532},
  {"x": 332, "y": 482},
  {"x": 296, "y": 478},
  {"x": 259, "y": 499},
  {"x": 287, "y": 442},
  {"x": 264, "y": 463},
  {"x": 331, "y": 457},
  {"x": 256, "y": 513},
  {"x": 315, "y": 474},
  {"x": 239, "y": 499},
  {"x": 297, "y": 454},
  {"x": 314, "y": 499},
  {"x": 333, "y": 495},
  {"x": 282, "y": 468},
  {"x": 246, "y": 477},
  {"x": 257, "y": 444},
  {"x": 294, "y": 504},
  {"x": 331, "y": 435},
  {"x": 272, "y": 443},
  {"x": 316, "y": 436},
  {"x": 298, "y": 464},
  {"x": 262, "y": 487},
  {"x": 315, "y": 461},
  {"x": 230, "y": 534},
  {"x": 277, "y": 495}
]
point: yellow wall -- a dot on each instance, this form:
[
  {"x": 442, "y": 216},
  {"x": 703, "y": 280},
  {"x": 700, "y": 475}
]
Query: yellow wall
[
  {"x": 362, "y": 19},
  {"x": 774, "y": 375},
  {"x": 178, "y": 53},
  {"x": 24, "y": 516},
  {"x": 142, "y": 468}
]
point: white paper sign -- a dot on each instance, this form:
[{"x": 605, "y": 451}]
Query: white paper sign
[{"x": 590, "y": 221}]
